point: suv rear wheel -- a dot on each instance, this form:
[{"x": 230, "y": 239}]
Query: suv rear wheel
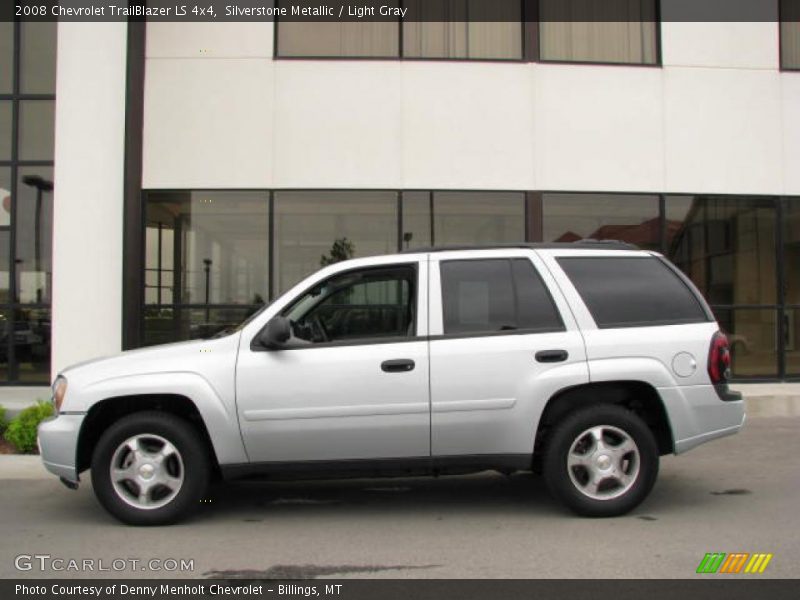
[
  {"x": 601, "y": 461},
  {"x": 150, "y": 468}
]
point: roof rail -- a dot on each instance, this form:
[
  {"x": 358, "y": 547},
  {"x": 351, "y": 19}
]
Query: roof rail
[{"x": 586, "y": 244}]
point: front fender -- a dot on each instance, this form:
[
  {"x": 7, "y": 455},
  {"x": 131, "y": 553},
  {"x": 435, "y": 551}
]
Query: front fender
[{"x": 217, "y": 412}]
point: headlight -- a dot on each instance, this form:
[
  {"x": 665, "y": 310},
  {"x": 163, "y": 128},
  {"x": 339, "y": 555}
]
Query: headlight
[{"x": 59, "y": 391}]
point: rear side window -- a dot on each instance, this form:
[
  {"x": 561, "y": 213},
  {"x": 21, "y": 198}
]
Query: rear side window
[
  {"x": 632, "y": 291},
  {"x": 495, "y": 295}
]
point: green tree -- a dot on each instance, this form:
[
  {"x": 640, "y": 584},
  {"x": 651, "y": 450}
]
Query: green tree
[{"x": 342, "y": 249}]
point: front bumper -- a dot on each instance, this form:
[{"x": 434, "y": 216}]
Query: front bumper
[{"x": 58, "y": 444}]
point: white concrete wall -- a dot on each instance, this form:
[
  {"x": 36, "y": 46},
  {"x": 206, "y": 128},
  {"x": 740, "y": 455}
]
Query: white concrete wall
[
  {"x": 717, "y": 117},
  {"x": 87, "y": 236}
]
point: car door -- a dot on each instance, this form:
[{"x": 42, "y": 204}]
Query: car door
[
  {"x": 503, "y": 341},
  {"x": 354, "y": 382}
]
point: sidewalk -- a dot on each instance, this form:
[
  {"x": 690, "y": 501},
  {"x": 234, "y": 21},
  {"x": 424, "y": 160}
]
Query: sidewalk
[
  {"x": 770, "y": 399},
  {"x": 22, "y": 466}
]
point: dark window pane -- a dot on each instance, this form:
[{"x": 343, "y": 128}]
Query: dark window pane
[
  {"x": 478, "y": 296},
  {"x": 463, "y": 29},
  {"x": 629, "y": 218},
  {"x": 315, "y": 228},
  {"x": 5, "y": 129},
  {"x": 5, "y": 279},
  {"x": 612, "y": 31},
  {"x": 5, "y": 329},
  {"x": 338, "y": 39},
  {"x": 159, "y": 271},
  {"x": 34, "y": 234},
  {"x": 751, "y": 334},
  {"x": 726, "y": 245},
  {"x": 37, "y": 129},
  {"x": 791, "y": 249},
  {"x": 6, "y": 57},
  {"x": 32, "y": 345},
  {"x": 207, "y": 247},
  {"x": 536, "y": 308},
  {"x": 416, "y": 220},
  {"x": 38, "y": 58},
  {"x": 792, "y": 333},
  {"x": 790, "y": 34},
  {"x": 164, "y": 325},
  {"x": 626, "y": 291},
  {"x": 478, "y": 217},
  {"x": 5, "y": 232},
  {"x": 357, "y": 306},
  {"x": 5, "y": 196}
]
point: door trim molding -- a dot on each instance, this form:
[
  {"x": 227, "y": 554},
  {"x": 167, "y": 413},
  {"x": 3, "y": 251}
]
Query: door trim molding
[{"x": 333, "y": 412}]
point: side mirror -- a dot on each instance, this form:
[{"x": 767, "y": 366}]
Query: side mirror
[{"x": 275, "y": 335}]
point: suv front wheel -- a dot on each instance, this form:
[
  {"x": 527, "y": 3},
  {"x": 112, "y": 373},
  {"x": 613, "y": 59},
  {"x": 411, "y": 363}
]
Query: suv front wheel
[
  {"x": 150, "y": 468},
  {"x": 601, "y": 461}
]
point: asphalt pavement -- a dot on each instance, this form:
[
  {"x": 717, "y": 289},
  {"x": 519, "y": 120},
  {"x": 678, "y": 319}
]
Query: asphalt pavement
[{"x": 738, "y": 494}]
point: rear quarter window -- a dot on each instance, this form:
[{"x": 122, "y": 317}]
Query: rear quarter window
[{"x": 632, "y": 291}]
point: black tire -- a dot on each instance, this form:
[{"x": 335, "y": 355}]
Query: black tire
[
  {"x": 193, "y": 452},
  {"x": 558, "y": 475}
]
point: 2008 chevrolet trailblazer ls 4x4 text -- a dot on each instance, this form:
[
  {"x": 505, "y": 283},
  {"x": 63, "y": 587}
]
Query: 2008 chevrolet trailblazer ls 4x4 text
[{"x": 584, "y": 361}]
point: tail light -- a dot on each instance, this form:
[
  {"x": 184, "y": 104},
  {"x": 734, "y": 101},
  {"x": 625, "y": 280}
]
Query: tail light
[{"x": 719, "y": 359}]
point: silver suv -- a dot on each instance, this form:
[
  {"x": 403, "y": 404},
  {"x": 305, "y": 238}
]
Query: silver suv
[{"x": 585, "y": 362}]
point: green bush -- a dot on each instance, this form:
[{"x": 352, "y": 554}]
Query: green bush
[
  {"x": 3, "y": 420},
  {"x": 21, "y": 432}
]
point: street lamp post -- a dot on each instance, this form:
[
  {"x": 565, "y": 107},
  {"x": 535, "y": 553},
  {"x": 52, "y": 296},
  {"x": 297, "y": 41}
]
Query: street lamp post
[{"x": 207, "y": 263}]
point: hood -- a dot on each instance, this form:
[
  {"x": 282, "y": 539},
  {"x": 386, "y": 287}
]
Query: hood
[{"x": 191, "y": 356}]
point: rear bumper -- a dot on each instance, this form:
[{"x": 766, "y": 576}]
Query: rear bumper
[
  {"x": 698, "y": 415},
  {"x": 58, "y": 444},
  {"x": 687, "y": 444}
]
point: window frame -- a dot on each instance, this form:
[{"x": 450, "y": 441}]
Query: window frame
[
  {"x": 478, "y": 334},
  {"x": 415, "y": 303}
]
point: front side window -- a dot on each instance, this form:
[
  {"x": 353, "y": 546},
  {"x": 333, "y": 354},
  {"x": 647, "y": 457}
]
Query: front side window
[
  {"x": 495, "y": 296},
  {"x": 357, "y": 305}
]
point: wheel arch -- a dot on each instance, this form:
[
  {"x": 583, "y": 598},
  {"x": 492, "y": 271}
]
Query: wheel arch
[
  {"x": 110, "y": 410},
  {"x": 638, "y": 396}
]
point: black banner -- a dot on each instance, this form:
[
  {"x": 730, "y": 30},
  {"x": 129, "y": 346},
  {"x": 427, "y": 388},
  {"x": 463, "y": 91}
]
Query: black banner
[
  {"x": 400, "y": 10},
  {"x": 711, "y": 588}
]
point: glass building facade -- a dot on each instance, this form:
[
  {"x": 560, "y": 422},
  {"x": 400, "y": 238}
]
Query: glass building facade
[
  {"x": 214, "y": 257},
  {"x": 27, "y": 108}
]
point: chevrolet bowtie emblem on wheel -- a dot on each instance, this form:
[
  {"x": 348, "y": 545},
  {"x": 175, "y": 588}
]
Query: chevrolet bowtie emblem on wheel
[{"x": 737, "y": 562}]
